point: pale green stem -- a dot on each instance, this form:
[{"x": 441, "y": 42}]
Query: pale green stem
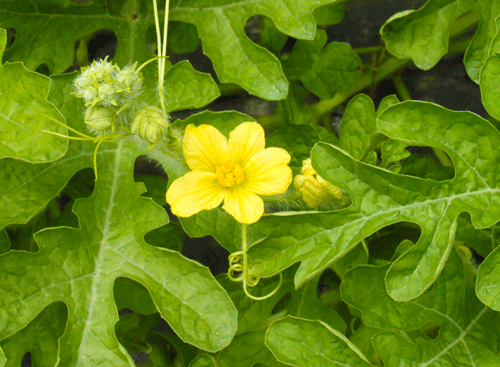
[
  {"x": 160, "y": 52},
  {"x": 400, "y": 87}
]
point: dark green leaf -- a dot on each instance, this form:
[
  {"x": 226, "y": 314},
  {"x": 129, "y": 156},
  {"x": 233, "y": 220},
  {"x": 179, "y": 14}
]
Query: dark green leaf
[
  {"x": 182, "y": 38},
  {"x": 324, "y": 70}
]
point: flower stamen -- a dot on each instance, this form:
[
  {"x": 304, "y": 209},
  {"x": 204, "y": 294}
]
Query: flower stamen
[{"x": 229, "y": 174}]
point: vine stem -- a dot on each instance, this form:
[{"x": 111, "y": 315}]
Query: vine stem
[{"x": 162, "y": 50}]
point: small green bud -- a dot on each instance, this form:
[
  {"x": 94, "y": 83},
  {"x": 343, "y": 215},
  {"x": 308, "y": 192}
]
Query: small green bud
[
  {"x": 150, "y": 124},
  {"x": 99, "y": 118}
]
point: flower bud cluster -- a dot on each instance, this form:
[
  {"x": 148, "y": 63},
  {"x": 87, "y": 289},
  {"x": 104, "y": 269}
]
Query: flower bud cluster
[
  {"x": 314, "y": 189},
  {"x": 110, "y": 95},
  {"x": 105, "y": 84}
]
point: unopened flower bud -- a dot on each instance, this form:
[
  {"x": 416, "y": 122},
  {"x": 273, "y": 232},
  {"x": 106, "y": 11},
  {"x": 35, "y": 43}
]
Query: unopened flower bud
[
  {"x": 150, "y": 124},
  {"x": 315, "y": 190},
  {"x": 99, "y": 118}
]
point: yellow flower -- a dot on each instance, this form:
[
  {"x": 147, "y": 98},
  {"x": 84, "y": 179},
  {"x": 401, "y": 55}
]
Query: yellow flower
[
  {"x": 315, "y": 190},
  {"x": 235, "y": 171}
]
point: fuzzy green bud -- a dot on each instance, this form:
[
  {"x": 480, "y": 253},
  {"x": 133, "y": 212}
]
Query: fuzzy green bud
[
  {"x": 150, "y": 124},
  {"x": 99, "y": 118},
  {"x": 314, "y": 189},
  {"x": 103, "y": 83}
]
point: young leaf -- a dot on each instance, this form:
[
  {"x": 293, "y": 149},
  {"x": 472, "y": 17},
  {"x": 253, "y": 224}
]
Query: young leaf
[
  {"x": 184, "y": 87},
  {"x": 324, "y": 70},
  {"x": 381, "y": 198},
  {"x": 466, "y": 336},
  {"x": 305, "y": 343},
  {"x": 423, "y": 34},
  {"x": 79, "y": 267},
  {"x": 236, "y": 59}
]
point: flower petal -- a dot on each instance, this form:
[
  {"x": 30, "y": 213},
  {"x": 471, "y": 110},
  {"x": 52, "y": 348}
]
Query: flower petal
[
  {"x": 194, "y": 192},
  {"x": 243, "y": 205},
  {"x": 204, "y": 148},
  {"x": 246, "y": 140},
  {"x": 267, "y": 172}
]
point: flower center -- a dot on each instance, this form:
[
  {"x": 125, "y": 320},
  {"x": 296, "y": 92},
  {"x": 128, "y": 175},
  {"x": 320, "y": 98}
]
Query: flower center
[{"x": 229, "y": 174}]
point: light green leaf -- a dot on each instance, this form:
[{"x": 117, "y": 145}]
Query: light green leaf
[
  {"x": 204, "y": 360},
  {"x": 329, "y": 14},
  {"x": 2, "y": 358},
  {"x": 465, "y": 338},
  {"x": 79, "y": 267},
  {"x": 39, "y": 338},
  {"x": 187, "y": 88},
  {"x": 324, "y": 70},
  {"x": 306, "y": 343},
  {"x": 4, "y": 241},
  {"x": 381, "y": 198},
  {"x": 27, "y": 188},
  {"x": 392, "y": 152},
  {"x": 236, "y": 59},
  {"x": 487, "y": 286},
  {"x": 246, "y": 350},
  {"x": 184, "y": 87},
  {"x": 358, "y": 130},
  {"x": 489, "y": 85},
  {"x": 23, "y": 116},
  {"x": 423, "y": 34}
]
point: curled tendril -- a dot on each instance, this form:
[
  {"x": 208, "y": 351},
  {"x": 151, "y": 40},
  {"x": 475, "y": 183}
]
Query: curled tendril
[{"x": 241, "y": 270}]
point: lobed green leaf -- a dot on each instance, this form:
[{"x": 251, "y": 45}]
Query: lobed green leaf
[
  {"x": 305, "y": 343},
  {"x": 423, "y": 34},
  {"x": 454, "y": 327},
  {"x": 381, "y": 198}
]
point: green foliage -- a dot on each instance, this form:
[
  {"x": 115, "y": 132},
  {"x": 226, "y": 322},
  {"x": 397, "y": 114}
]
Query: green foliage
[{"x": 403, "y": 270}]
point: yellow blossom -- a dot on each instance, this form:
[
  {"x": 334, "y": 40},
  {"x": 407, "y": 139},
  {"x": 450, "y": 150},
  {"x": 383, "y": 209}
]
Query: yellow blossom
[
  {"x": 233, "y": 171},
  {"x": 315, "y": 190}
]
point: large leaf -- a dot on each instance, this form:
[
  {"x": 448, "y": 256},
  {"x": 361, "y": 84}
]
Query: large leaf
[
  {"x": 236, "y": 59},
  {"x": 305, "y": 343},
  {"x": 422, "y": 35},
  {"x": 24, "y": 112},
  {"x": 380, "y": 198},
  {"x": 27, "y": 188},
  {"x": 79, "y": 267},
  {"x": 47, "y": 34},
  {"x": 467, "y": 335}
]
